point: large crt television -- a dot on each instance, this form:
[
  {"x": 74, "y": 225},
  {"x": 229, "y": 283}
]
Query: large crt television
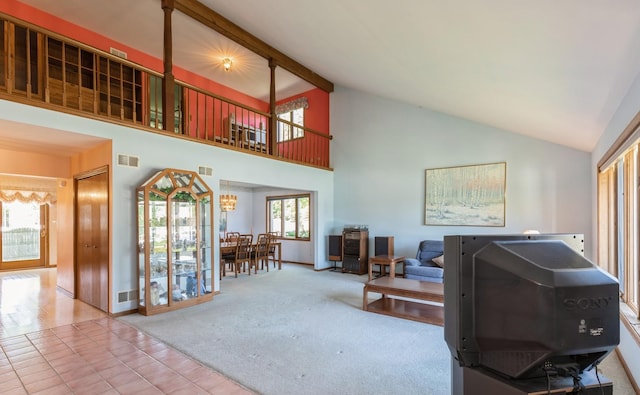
[{"x": 525, "y": 306}]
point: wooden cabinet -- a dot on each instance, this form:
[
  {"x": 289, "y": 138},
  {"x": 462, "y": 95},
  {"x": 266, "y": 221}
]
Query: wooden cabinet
[
  {"x": 70, "y": 78},
  {"x": 355, "y": 250},
  {"x": 20, "y": 71},
  {"x": 79, "y": 79},
  {"x": 174, "y": 241},
  {"x": 120, "y": 90}
]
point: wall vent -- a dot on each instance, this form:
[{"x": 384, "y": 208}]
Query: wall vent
[
  {"x": 128, "y": 160},
  {"x": 126, "y": 296},
  {"x": 118, "y": 53},
  {"x": 205, "y": 171}
]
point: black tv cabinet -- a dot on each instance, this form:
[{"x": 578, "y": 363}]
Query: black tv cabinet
[{"x": 478, "y": 381}]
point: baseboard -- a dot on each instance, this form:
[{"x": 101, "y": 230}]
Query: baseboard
[
  {"x": 628, "y": 372},
  {"x": 123, "y": 313},
  {"x": 299, "y": 263},
  {"x": 64, "y": 291}
]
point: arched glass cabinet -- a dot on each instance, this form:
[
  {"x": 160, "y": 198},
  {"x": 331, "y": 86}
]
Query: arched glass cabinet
[{"x": 174, "y": 241}]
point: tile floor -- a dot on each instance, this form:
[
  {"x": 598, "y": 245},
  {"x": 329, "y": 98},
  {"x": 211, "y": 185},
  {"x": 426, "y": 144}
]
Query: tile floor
[{"x": 52, "y": 344}]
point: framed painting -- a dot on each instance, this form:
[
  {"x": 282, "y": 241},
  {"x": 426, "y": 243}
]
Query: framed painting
[
  {"x": 223, "y": 221},
  {"x": 466, "y": 195}
]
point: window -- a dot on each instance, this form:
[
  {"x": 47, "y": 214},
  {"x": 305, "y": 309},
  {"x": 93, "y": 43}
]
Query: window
[
  {"x": 289, "y": 216},
  {"x": 618, "y": 222},
  {"x": 288, "y": 125}
]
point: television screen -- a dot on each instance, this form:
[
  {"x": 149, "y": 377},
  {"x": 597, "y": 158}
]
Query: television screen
[{"x": 527, "y": 305}]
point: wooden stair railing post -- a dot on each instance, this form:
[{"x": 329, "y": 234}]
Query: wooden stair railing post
[
  {"x": 168, "y": 99},
  {"x": 273, "y": 131}
]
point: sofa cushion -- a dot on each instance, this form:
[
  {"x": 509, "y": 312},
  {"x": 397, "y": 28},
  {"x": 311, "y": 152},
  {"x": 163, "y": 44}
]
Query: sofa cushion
[
  {"x": 411, "y": 262},
  {"x": 423, "y": 278},
  {"x": 439, "y": 260},
  {"x": 424, "y": 271},
  {"x": 429, "y": 249}
]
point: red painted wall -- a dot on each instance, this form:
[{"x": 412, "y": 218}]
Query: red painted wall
[
  {"x": 316, "y": 116},
  {"x": 311, "y": 148}
]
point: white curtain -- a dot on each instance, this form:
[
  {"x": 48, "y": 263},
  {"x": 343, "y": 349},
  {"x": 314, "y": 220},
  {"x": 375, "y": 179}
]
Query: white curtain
[{"x": 26, "y": 196}]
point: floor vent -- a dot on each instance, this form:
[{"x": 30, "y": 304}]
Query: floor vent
[
  {"x": 128, "y": 160},
  {"x": 205, "y": 171},
  {"x": 126, "y": 296},
  {"x": 118, "y": 53}
]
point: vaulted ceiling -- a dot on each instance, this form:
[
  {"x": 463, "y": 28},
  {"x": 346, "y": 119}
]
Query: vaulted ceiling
[{"x": 555, "y": 70}]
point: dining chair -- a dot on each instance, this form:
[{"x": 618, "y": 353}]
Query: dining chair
[
  {"x": 231, "y": 236},
  {"x": 261, "y": 251},
  {"x": 272, "y": 248},
  {"x": 243, "y": 254},
  {"x": 229, "y": 257}
]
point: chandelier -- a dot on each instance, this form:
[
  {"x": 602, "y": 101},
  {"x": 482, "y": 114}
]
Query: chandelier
[{"x": 228, "y": 201}]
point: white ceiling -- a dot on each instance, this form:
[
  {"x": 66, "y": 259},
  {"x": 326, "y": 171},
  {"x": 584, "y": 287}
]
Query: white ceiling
[{"x": 556, "y": 70}]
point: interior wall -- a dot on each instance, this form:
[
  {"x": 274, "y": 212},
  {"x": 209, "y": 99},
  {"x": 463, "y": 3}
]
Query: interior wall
[
  {"x": 65, "y": 234},
  {"x": 241, "y": 219},
  {"x": 33, "y": 163},
  {"x": 382, "y": 148}
]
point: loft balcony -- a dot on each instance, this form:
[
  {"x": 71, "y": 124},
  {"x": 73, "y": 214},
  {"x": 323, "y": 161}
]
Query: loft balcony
[{"x": 40, "y": 67}]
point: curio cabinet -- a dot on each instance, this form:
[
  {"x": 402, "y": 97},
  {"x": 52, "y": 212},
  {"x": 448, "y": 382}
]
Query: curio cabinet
[{"x": 174, "y": 241}]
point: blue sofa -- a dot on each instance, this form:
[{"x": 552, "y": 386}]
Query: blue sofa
[{"x": 423, "y": 267}]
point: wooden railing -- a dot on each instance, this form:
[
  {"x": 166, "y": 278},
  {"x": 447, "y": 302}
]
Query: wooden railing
[
  {"x": 41, "y": 68},
  {"x": 225, "y": 122}
]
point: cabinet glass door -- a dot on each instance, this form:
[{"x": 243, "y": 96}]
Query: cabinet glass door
[
  {"x": 184, "y": 243},
  {"x": 158, "y": 284},
  {"x": 205, "y": 245}
]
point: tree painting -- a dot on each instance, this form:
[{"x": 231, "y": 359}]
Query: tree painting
[{"x": 466, "y": 195}]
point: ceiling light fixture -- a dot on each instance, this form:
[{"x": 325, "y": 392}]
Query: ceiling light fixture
[{"x": 226, "y": 63}]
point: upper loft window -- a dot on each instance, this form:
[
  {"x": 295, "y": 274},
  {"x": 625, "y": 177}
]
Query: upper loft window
[
  {"x": 291, "y": 119},
  {"x": 290, "y": 125}
]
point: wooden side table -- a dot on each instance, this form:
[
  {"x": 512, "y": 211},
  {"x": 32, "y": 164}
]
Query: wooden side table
[{"x": 385, "y": 260}]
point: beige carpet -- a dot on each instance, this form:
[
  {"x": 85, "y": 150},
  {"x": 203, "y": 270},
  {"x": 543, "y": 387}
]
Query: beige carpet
[{"x": 297, "y": 331}]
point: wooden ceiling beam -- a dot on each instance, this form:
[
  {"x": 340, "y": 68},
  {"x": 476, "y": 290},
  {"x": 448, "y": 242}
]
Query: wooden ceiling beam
[{"x": 222, "y": 25}]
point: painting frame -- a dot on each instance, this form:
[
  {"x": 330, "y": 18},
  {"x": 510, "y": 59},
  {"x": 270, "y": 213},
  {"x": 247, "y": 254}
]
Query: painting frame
[{"x": 471, "y": 195}]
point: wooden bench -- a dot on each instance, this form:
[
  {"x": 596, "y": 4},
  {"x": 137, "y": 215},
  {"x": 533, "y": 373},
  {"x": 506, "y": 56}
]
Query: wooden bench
[{"x": 430, "y": 313}]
